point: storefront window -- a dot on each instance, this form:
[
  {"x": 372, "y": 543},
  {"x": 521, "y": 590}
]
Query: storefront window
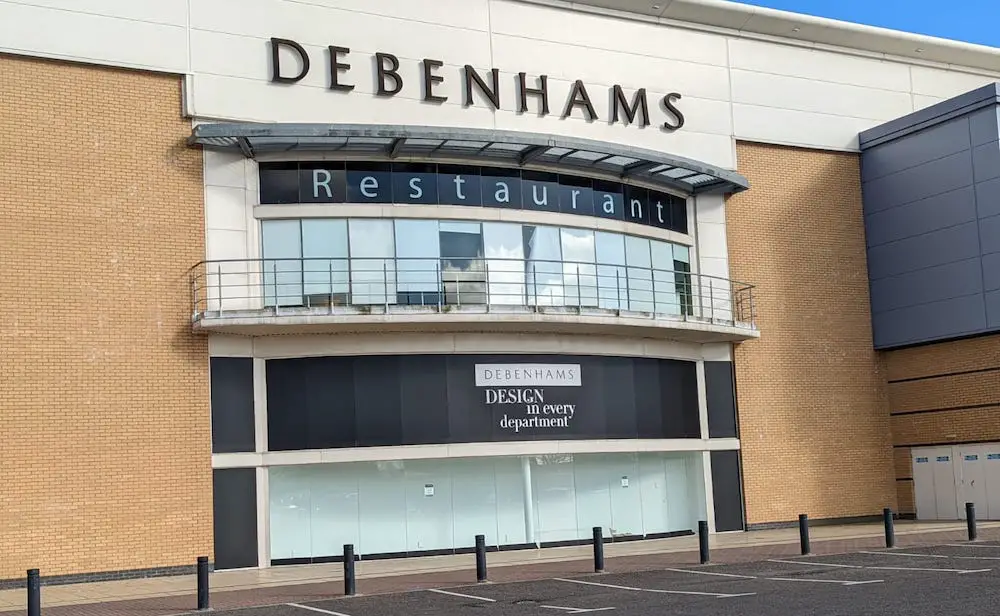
[
  {"x": 318, "y": 262},
  {"x": 415, "y": 506}
]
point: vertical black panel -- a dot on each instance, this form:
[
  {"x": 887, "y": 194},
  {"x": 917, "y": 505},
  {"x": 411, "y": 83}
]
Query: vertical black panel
[
  {"x": 234, "y": 507},
  {"x": 232, "y": 404},
  {"x": 423, "y": 383},
  {"x": 727, "y": 490},
  {"x": 377, "y": 400},
  {"x": 679, "y": 407},
  {"x": 468, "y": 421},
  {"x": 720, "y": 395},
  {"x": 620, "y": 395},
  {"x": 649, "y": 398},
  {"x": 332, "y": 403}
]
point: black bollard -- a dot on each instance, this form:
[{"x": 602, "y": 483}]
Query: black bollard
[
  {"x": 34, "y": 593},
  {"x": 598, "y": 550},
  {"x": 350, "y": 586},
  {"x": 203, "y": 583},
  {"x": 804, "y": 533},
  {"x": 703, "y": 541},
  {"x": 890, "y": 532},
  {"x": 970, "y": 520},
  {"x": 480, "y": 558}
]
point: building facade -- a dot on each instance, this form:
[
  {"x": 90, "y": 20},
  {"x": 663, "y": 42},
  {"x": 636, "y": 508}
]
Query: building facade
[{"x": 281, "y": 276}]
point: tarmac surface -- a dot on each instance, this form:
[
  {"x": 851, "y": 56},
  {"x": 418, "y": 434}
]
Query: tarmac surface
[{"x": 949, "y": 578}]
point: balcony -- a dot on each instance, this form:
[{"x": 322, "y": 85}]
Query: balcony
[{"x": 324, "y": 295}]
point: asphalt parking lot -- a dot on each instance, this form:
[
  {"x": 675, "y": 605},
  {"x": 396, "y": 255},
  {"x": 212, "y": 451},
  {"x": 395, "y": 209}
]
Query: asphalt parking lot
[{"x": 959, "y": 578}]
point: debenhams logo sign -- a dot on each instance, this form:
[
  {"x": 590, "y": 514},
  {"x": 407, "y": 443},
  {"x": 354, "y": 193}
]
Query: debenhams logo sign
[{"x": 388, "y": 82}]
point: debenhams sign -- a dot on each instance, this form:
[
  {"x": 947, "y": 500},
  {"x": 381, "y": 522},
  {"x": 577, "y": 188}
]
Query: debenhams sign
[{"x": 631, "y": 110}]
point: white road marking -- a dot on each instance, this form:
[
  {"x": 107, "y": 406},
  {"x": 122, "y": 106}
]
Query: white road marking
[
  {"x": 696, "y": 572},
  {"x": 935, "y": 555},
  {"x": 819, "y": 564},
  {"x": 314, "y": 609},
  {"x": 841, "y": 582},
  {"x": 576, "y": 610},
  {"x": 657, "y": 590},
  {"x": 458, "y": 594},
  {"x": 959, "y": 571},
  {"x": 812, "y": 562}
]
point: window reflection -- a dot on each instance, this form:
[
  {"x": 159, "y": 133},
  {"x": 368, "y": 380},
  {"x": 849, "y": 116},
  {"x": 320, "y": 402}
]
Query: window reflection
[
  {"x": 373, "y": 268},
  {"x": 331, "y": 262},
  {"x": 579, "y": 272},
  {"x": 543, "y": 266},
  {"x": 504, "y": 249},
  {"x": 463, "y": 272},
  {"x": 418, "y": 268}
]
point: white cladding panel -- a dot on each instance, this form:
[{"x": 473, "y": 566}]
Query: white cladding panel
[{"x": 733, "y": 84}]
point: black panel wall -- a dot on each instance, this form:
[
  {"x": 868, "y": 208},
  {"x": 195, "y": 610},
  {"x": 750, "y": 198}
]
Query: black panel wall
[
  {"x": 232, "y": 404},
  {"x": 235, "y": 512},
  {"x": 329, "y": 402},
  {"x": 727, "y": 490},
  {"x": 720, "y": 396}
]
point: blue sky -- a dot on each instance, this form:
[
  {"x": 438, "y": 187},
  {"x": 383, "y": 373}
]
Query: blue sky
[{"x": 973, "y": 21}]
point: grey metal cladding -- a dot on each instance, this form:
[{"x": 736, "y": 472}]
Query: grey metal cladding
[
  {"x": 989, "y": 235},
  {"x": 927, "y": 285},
  {"x": 986, "y": 161},
  {"x": 931, "y": 189},
  {"x": 993, "y": 309},
  {"x": 950, "y": 318},
  {"x": 916, "y": 149},
  {"x": 988, "y": 198},
  {"x": 925, "y": 180},
  {"x": 923, "y": 251},
  {"x": 991, "y": 272},
  {"x": 984, "y": 124},
  {"x": 923, "y": 216}
]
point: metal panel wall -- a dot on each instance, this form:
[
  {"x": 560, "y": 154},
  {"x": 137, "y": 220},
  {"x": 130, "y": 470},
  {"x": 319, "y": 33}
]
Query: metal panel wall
[{"x": 931, "y": 186}]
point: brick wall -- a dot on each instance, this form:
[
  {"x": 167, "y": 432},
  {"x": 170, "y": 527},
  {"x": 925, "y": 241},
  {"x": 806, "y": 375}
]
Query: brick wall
[
  {"x": 942, "y": 394},
  {"x": 812, "y": 396},
  {"x": 105, "y": 459}
]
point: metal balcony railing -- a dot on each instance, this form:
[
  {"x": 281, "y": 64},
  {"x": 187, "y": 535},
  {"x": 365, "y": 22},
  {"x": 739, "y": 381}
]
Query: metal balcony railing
[{"x": 357, "y": 286}]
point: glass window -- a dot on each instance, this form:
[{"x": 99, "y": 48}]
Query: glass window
[
  {"x": 418, "y": 253},
  {"x": 664, "y": 279},
  {"x": 373, "y": 268},
  {"x": 463, "y": 271},
  {"x": 640, "y": 275},
  {"x": 579, "y": 272},
  {"x": 504, "y": 249},
  {"x": 281, "y": 245},
  {"x": 682, "y": 278},
  {"x": 324, "y": 261},
  {"x": 544, "y": 266},
  {"x": 612, "y": 282}
]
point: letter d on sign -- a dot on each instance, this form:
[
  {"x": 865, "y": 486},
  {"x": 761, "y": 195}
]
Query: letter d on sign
[{"x": 276, "y": 45}]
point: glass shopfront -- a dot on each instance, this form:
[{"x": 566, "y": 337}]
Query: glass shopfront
[
  {"x": 361, "y": 261},
  {"x": 418, "y": 506}
]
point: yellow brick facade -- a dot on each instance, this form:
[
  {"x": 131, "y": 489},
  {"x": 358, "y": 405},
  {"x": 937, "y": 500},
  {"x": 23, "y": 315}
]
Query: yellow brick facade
[
  {"x": 105, "y": 461},
  {"x": 814, "y": 420},
  {"x": 940, "y": 394}
]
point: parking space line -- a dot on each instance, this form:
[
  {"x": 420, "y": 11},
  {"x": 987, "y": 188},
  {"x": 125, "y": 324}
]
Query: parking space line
[
  {"x": 934, "y": 555},
  {"x": 819, "y": 564},
  {"x": 717, "y": 595},
  {"x": 576, "y": 610},
  {"x": 812, "y": 562},
  {"x": 959, "y": 571},
  {"x": 728, "y": 575},
  {"x": 315, "y": 609},
  {"x": 841, "y": 582},
  {"x": 458, "y": 594}
]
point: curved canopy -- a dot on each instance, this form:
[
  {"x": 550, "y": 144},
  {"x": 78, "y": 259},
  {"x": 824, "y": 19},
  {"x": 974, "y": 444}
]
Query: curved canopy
[{"x": 475, "y": 146}]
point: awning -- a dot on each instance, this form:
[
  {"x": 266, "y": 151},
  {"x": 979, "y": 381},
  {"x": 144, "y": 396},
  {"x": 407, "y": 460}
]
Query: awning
[{"x": 472, "y": 146}]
